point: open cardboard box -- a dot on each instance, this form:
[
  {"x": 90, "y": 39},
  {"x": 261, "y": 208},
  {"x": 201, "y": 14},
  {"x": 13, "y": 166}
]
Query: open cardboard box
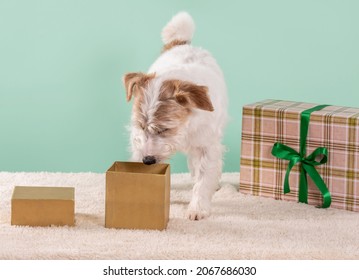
[
  {"x": 137, "y": 196},
  {"x": 43, "y": 206}
]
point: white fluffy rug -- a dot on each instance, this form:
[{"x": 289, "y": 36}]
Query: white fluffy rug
[{"x": 241, "y": 227}]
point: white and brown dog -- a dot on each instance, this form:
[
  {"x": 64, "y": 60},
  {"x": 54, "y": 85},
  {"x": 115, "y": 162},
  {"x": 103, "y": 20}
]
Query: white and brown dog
[{"x": 181, "y": 105}]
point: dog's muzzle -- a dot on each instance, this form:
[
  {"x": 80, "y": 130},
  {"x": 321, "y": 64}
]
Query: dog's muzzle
[{"x": 149, "y": 160}]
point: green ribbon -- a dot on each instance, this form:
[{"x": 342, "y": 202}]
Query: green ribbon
[{"x": 308, "y": 163}]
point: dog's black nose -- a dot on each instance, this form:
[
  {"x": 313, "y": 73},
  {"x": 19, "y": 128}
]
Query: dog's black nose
[{"x": 149, "y": 160}]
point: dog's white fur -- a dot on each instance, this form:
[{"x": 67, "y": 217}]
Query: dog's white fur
[{"x": 199, "y": 100}]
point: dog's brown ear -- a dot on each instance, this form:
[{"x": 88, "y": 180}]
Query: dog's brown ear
[
  {"x": 190, "y": 95},
  {"x": 135, "y": 82}
]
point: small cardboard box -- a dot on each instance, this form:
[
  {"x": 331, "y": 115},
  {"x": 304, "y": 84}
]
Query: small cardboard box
[
  {"x": 43, "y": 206},
  {"x": 334, "y": 127},
  {"x": 137, "y": 196}
]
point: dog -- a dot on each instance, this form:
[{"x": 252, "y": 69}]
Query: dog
[{"x": 180, "y": 105}]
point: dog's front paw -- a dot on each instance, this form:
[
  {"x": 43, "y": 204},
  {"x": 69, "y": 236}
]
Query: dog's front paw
[
  {"x": 197, "y": 211},
  {"x": 195, "y": 215}
]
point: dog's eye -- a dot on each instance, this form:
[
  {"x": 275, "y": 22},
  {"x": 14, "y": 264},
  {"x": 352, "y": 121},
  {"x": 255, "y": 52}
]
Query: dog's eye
[
  {"x": 159, "y": 132},
  {"x": 141, "y": 126}
]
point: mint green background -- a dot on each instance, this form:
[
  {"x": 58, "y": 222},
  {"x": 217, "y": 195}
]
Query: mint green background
[{"x": 62, "y": 103}]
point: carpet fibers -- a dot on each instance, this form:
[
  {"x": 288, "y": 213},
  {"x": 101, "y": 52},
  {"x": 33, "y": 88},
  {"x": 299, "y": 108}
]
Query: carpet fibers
[{"x": 240, "y": 227}]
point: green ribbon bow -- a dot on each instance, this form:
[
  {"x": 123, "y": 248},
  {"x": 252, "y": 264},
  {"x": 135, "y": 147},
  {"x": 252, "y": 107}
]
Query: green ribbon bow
[{"x": 308, "y": 163}]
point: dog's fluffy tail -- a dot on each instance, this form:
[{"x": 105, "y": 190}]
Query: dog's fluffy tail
[{"x": 178, "y": 31}]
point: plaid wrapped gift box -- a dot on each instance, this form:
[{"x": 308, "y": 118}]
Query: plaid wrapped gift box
[{"x": 333, "y": 127}]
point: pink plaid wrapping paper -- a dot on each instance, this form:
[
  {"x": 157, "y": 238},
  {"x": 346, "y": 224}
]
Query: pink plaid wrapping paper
[{"x": 334, "y": 127}]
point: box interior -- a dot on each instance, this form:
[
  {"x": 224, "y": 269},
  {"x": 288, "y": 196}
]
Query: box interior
[
  {"x": 29, "y": 192},
  {"x": 137, "y": 167}
]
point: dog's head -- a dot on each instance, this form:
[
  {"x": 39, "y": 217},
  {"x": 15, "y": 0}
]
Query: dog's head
[{"x": 161, "y": 109}]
